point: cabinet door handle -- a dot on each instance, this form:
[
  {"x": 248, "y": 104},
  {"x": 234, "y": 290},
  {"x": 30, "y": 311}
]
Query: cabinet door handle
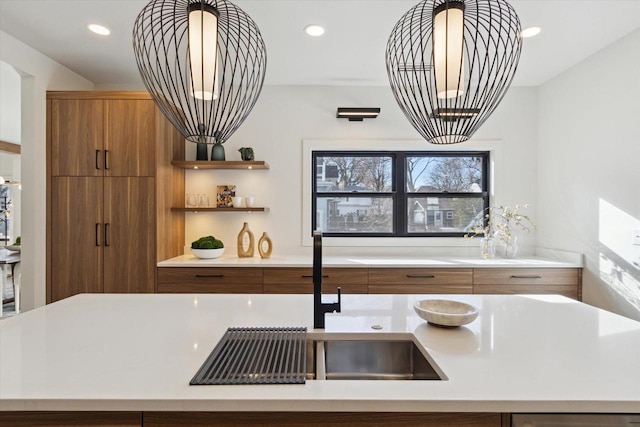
[
  {"x": 97, "y": 234},
  {"x": 417, "y": 276},
  {"x": 527, "y": 277},
  {"x": 98, "y": 159},
  {"x": 310, "y": 276},
  {"x": 210, "y": 275},
  {"x": 106, "y": 159},
  {"x": 106, "y": 235}
]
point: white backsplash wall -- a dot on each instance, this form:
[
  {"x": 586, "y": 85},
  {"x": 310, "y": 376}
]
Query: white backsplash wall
[
  {"x": 589, "y": 178},
  {"x": 284, "y": 116}
]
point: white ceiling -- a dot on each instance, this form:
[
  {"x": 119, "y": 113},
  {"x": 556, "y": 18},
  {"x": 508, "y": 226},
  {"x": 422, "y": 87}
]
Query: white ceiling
[{"x": 351, "y": 52}]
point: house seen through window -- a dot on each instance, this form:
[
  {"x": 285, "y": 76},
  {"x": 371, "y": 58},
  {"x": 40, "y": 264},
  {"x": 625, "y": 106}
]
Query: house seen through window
[{"x": 398, "y": 193}]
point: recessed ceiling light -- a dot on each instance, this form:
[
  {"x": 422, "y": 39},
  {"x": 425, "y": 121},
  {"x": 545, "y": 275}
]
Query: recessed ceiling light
[
  {"x": 99, "y": 29},
  {"x": 531, "y": 32},
  {"x": 314, "y": 30}
]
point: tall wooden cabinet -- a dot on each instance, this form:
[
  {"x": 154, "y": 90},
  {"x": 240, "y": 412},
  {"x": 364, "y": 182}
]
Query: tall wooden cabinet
[{"x": 111, "y": 188}]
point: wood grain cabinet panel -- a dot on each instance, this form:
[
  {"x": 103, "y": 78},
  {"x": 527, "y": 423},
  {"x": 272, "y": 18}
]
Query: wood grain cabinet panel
[
  {"x": 561, "y": 281},
  {"x": 104, "y": 238},
  {"x": 420, "y": 281},
  {"x": 130, "y": 138},
  {"x": 70, "y": 419},
  {"x": 210, "y": 280},
  {"x": 76, "y": 136},
  {"x": 76, "y": 230},
  {"x": 318, "y": 419},
  {"x": 129, "y": 235},
  {"x": 300, "y": 280}
]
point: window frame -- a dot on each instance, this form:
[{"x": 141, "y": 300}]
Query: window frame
[{"x": 399, "y": 194}]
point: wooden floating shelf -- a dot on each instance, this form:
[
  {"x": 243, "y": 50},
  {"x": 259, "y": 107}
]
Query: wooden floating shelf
[
  {"x": 220, "y": 164},
  {"x": 181, "y": 209}
]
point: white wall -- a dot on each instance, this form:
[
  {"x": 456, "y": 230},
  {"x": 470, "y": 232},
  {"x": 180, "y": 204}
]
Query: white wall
[
  {"x": 286, "y": 115},
  {"x": 10, "y": 101},
  {"x": 39, "y": 74},
  {"x": 589, "y": 173}
]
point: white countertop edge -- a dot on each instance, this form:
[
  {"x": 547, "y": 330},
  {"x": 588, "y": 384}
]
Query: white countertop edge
[
  {"x": 320, "y": 405},
  {"x": 376, "y": 261}
]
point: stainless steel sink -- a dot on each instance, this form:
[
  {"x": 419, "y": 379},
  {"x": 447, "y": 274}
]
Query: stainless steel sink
[{"x": 369, "y": 359}]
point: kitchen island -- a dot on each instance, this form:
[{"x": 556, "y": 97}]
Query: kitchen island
[{"x": 137, "y": 353}]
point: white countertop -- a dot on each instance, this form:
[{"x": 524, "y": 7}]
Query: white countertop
[
  {"x": 189, "y": 260},
  {"x": 139, "y": 352}
]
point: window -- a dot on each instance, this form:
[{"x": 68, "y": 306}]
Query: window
[{"x": 398, "y": 194}]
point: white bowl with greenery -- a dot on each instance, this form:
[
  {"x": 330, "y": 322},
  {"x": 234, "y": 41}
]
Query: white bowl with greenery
[{"x": 207, "y": 253}]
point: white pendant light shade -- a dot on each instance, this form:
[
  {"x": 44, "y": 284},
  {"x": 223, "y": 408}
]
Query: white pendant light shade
[
  {"x": 450, "y": 63},
  {"x": 448, "y": 42},
  {"x": 203, "y": 62},
  {"x": 203, "y": 51}
]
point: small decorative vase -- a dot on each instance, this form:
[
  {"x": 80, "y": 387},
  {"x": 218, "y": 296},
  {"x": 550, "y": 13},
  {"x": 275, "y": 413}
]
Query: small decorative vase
[
  {"x": 488, "y": 247},
  {"x": 201, "y": 151},
  {"x": 511, "y": 247},
  {"x": 242, "y": 252},
  {"x": 265, "y": 239},
  {"x": 246, "y": 153},
  {"x": 217, "y": 152}
]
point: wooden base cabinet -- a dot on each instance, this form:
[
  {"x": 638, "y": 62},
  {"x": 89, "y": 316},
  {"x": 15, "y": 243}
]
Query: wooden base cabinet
[
  {"x": 70, "y": 419},
  {"x": 300, "y": 280},
  {"x": 76, "y": 264},
  {"x": 203, "y": 280},
  {"x": 129, "y": 235},
  {"x": 560, "y": 281},
  {"x": 420, "y": 281},
  {"x": 103, "y": 236},
  {"x": 321, "y": 419},
  {"x": 263, "y": 419}
]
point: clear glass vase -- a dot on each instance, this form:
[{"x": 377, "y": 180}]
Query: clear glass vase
[
  {"x": 487, "y": 247},
  {"x": 510, "y": 247},
  {"x": 506, "y": 244}
]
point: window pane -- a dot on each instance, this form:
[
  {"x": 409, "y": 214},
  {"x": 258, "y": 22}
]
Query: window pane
[
  {"x": 436, "y": 174},
  {"x": 448, "y": 215},
  {"x": 354, "y": 214},
  {"x": 354, "y": 174}
]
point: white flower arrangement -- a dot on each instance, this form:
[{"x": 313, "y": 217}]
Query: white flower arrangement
[{"x": 500, "y": 223}]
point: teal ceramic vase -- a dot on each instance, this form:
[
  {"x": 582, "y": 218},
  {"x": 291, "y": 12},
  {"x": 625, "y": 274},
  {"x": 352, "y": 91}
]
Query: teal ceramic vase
[
  {"x": 217, "y": 153},
  {"x": 201, "y": 151}
]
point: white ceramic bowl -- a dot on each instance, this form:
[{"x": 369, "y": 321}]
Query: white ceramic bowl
[
  {"x": 445, "y": 313},
  {"x": 207, "y": 253},
  {"x": 14, "y": 248}
]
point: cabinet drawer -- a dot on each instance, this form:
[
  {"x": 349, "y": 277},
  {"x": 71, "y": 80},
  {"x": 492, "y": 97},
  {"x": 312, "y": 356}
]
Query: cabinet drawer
[
  {"x": 420, "y": 281},
  {"x": 209, "y": 280},
  {"x": 561, "y": 281},
  {"x": 300, "y": 280},
  {"x": 525, "y": 276}
]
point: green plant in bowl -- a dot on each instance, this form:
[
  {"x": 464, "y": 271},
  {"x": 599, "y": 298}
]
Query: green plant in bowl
[
  {"x": 16, "y": 245},
  {"x": 207, "y": 247}
]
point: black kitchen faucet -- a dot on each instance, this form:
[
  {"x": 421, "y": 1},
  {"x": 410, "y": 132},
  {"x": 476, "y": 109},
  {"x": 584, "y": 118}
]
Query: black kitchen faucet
[{"x": 320, "y": 309}]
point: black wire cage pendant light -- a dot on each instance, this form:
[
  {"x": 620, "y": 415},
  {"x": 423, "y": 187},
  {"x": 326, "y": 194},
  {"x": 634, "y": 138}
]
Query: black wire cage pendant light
[
  {"x": 450, "y": 63},
  {"x": 203, "y": 61}
]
